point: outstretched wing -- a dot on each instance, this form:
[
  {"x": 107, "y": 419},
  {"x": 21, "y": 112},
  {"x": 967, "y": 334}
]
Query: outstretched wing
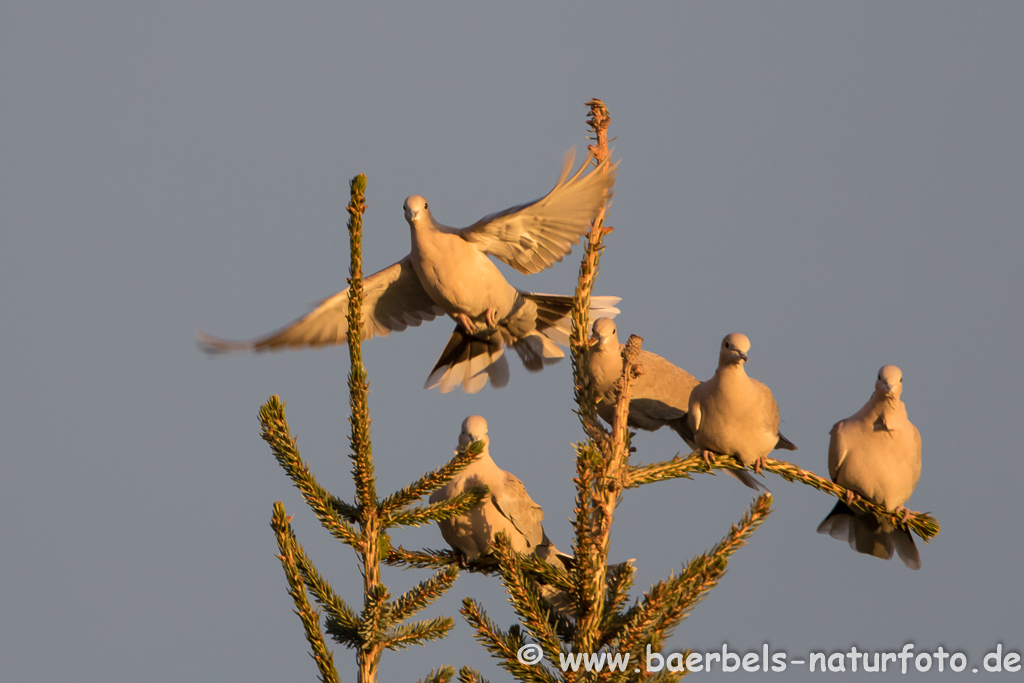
[
  {"x": 533, "y": 236},
  {"x": 393, "y": 299}
]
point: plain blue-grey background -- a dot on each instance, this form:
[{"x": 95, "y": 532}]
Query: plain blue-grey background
[{"x": 840, "y": 181}]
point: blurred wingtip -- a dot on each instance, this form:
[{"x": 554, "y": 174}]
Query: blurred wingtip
[{"x": 215, "y": 346}]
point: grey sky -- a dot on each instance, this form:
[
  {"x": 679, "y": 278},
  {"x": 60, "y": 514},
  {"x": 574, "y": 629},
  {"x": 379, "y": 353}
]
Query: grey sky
[{"x": 839, "y": 181}]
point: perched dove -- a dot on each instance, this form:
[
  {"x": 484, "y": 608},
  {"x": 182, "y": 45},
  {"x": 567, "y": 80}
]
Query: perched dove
[
  {"x": 660, "y": 395},
  {"x": 876, "y": 452},
  {"x": 734, "y": 414},
  {"x": 507, "y": 507},
  {"x": 448, "y": 272}
]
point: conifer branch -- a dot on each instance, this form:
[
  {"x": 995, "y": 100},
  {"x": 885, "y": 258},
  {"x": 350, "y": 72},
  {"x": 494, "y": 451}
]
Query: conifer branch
[
  {"x": 618, "y": 459},
  {"x": 545, "y": 573},
  {"x": 374, "y": 618},
  {"x": 276, "y": 433},
  {"x": 670, "y": 601},
  {"x": 737, "y": 537},
  {"x": 338, "y": 610},
  {"x": 589, "y": 266},
  {"x": 620, "y": 581},
  {"x": 600, "y": 463},
  {"x": 655, "y": 617},
  {"x": 401, "y": 637},
  {"x": 441, "y": 675},
  {"x": 467, "y": 675},
  {"x": 347, "y": 511},
  {"x": 503, "y": 646},
  {"x": 604, "y": 495},
  {"x": 588, "y": 460},
  {"x": 921, "y": 523},
  {"x": 423, "y": 594},
  {"x": 310, "y": 617},
  {"x": 342, "y": 633},
  {"x": 485, "y": 564},
  {"x": 434, "y": 512},
  {"x": 362, "y": 450},
  {"x": 676, "y": 468},
  {"x": 431, "y": 481},
  {"x": 373, "y": 542},
  {"x": 524, "y": 596},
  {"x": 641, "y": 621},
  {"x": 423, "y": 559}
]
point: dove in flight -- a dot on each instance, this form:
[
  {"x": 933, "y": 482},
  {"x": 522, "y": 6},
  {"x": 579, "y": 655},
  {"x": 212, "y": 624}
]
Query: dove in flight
[
  {"x": 660, "y": 395},
  {"x": 448, "y": 272},
  {"x": 507, "y": 507},
  {"x": 876, "y": 453},
  {"x": 734, "y": 414}
]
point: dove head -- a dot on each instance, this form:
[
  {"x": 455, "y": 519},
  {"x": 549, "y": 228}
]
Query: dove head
[
  {"x": 735, "y": 348},
  {"x": 474, "y": 428},
  {"x": 416, "y": 208},
  {"x": 605, "y": 332},
  {"x": 890, "y": 382}
]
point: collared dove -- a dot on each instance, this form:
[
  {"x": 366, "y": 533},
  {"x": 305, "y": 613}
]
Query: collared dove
[
  {"x": 448, "y": 272},
  {"x": 660, "y": 395},
  {"x": 876, "y": 452},
  {"x": 734, "y": 414},
  {"x": 507, "y": 507}
]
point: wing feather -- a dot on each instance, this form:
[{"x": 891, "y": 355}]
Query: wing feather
[
  {"x": 393, "y": 299},
  {"x": 531, "y": 237}
]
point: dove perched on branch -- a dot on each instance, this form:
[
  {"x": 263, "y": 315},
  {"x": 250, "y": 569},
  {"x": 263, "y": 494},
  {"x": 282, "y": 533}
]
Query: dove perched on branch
[
  {"x": 734, "y": 414},
  {"x": 660, "y": 394},
  {"x": 507, "y": 507},
  {"x": 449, "y": 272},
  {"x": 876, "y": 453}
]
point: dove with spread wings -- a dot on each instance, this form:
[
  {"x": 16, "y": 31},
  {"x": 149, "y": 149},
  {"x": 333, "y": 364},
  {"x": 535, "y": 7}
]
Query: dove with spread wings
[{"x": 448, "y": 272}]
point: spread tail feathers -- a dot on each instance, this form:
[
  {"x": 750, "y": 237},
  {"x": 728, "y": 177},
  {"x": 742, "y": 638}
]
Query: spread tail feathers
[
  {"x": 468, "y": 361},
  {"x": 867, "y": 535},
  {"x": 536, "y": 327},
  {"x": 553, "y": 317}
]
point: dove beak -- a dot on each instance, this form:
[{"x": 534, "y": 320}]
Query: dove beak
[{"x": 743, "y": 356}]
